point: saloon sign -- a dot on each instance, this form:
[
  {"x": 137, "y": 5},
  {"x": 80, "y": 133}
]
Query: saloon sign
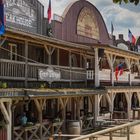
[{"x": 49, "y": 74}]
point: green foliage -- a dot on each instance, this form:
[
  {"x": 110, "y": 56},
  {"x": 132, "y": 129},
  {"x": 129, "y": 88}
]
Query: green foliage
[
  {"x": 3, "y": 85},
  {"x": 43, "y": 85},
  {"x": 126, "y": 1}
]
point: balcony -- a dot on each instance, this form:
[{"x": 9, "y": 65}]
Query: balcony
[{"x": 15, "y": 70}]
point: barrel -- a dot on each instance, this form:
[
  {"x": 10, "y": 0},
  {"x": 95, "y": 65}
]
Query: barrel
[{"x": 74, "y": 127}]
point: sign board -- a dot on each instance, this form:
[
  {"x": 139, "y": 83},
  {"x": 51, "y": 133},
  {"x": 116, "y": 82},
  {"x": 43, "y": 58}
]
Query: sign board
[
  {"x": 20, "y": 12},
  {"x": 49, "y": 74}
]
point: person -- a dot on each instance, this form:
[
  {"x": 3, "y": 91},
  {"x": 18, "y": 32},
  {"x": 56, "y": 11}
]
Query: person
[
  {"x": 121, "y": 106},
  {"x": 23, "y": 119},
  {"x": 32, "y": 118}
]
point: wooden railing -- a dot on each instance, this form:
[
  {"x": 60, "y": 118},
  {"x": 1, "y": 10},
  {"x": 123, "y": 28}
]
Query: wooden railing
[
  {"x": 15, "y": 70},
  {"x": 109, "y": 131}
]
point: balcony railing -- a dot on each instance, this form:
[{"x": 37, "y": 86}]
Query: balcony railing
[
  {"x": 104, "y": 75},
  {"x": 15, "y": 70}
]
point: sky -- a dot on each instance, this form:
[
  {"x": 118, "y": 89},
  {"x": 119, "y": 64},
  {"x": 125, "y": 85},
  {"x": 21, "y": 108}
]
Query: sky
[{"x": 123, "y": 17}]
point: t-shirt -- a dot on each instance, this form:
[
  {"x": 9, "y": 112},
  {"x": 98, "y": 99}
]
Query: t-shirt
[{"x": 23, "y": 120}]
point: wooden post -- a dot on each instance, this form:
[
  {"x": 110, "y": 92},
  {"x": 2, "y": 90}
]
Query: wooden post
[
  {"x": 63, "y": 102},
  {"x": 10, "y": 120},
  {"x": 128, "y": 133},
  {"x": 128, "y": 63},
  {"x": 111, "y": 60},
  {"x": 85, "y": 58},
  {"x": 96, "y": 110},
  {"x": 49, "y": 51},
  {"x": 5, "y": 107},
  {"x": 70, "y": 65},
  {"x": 110, "y": 136},
  {"x": 26, "y": 64},
  {"x": 97, "y": 80},
  {"x": 39, "y": 109},
  {"x": 58, "y": 55}
]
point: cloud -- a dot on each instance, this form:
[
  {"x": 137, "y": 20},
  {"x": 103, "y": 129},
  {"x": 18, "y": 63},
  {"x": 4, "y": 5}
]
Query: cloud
[{"x": 122, "y": 18}]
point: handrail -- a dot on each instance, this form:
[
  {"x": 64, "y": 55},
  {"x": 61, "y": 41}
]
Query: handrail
[{"x": 107, "y": 130}]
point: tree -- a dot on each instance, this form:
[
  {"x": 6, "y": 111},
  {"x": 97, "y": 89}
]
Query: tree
[{"x": 126, "y": 1}]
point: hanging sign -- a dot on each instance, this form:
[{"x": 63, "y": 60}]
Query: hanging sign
[{"x": 49, "y": 74}]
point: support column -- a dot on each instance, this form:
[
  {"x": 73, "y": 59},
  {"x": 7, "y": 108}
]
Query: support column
[
  {"x": 39, "y": 105},
  {"x": 70, "y": 65},
  {"x": 96, "y": 110},
  {"x": 111, "y": 60},
  {"x": 85, "y": 66},
  {"x": 128, "y": 133},
  {"x": 5, "y": 107},
  {"x": 63, "y": 102},
  {"x": 112, "y": 104},
  {"x": 49, "y": 51},
  {"x": 128, "y": 99},
  {"x": 58, "y": 55},
  {"x": 129, "y": 63},
  {"x": 9, "y": 126},
  {"x": 110, "y": 136},
  {"x": 26, "y": 64},
  {"x": 97, "y": 81}
]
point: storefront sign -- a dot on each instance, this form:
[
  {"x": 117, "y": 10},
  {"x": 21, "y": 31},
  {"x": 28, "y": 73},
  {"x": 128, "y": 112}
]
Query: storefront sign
[
  {"x": 49, "y": 74},
  {"x": 20, "y": 12}
]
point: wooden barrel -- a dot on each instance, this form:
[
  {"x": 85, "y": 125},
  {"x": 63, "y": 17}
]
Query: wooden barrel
[{"x": 74, "y": 127}]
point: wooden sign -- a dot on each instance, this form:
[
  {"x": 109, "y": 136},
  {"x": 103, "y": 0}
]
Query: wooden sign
[{"x": 49, "y": 74}]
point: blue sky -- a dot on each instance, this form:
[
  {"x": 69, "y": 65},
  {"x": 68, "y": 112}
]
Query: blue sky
[{"x": 123, "y": 17}]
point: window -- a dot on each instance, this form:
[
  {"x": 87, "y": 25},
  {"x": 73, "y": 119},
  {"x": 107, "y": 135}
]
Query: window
[{"x": 13, "y": 51}]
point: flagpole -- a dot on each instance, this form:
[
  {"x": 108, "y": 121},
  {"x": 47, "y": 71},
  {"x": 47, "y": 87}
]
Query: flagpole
[{"x": 112, "y": 29}]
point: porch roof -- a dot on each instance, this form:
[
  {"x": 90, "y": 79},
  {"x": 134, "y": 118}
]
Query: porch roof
[
  {"x": 42, "y": 39},
  {"x": 55, "y": 93},
  {"x": 52, "y": 93},
  {"x": 87, "y": 48}
]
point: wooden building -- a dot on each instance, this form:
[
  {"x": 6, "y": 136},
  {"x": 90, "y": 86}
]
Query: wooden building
[{"x": 62, "y": 78}]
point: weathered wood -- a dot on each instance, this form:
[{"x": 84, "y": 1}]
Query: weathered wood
[
  {"x": 26, "y": 64},
  {"x": 110, "y": 136},
  {"x": 70, "y": 66},
  {"x": 5, "y": 107},
  {"x": 128, "y": 133},
  {"x": 10, "y": 69}
]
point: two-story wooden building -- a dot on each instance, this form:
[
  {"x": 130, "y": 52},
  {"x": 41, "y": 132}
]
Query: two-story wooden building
[{"x": 59, "y": 78}]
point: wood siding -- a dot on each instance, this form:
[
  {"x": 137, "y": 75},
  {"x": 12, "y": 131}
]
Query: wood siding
[{"x": 67, "y": 30}]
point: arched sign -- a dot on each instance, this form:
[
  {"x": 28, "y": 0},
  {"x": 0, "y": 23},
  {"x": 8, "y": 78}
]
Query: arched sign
[{"x": 87, "y": 24}]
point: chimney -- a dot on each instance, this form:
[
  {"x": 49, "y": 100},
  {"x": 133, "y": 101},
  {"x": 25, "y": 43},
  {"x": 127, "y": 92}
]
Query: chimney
[{"x": 121, "y": 37}]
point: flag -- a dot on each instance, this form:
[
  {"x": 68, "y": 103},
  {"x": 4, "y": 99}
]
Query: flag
[
  {"x": 49, "y": 12},
  {"x": 2, "y": 28},
  {"x": 119, "y": 71},
  {"x": 112, "y": 28},
  {"x": 131, "y": 37}
]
